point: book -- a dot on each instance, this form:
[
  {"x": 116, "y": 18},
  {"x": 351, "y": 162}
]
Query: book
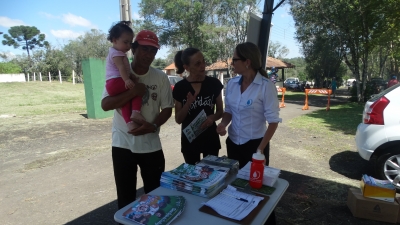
[
  {"x": 155, "y": 209},
  {"x": 243, "y": 184},
  {"x": 204, "y": 195},
  {"x": 201, "y": 176},
  {"x": 221, "y": 161}
]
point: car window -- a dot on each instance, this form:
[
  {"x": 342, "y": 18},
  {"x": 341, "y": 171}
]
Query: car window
[
  {"x": 384, "y": 92},
  {"x": 174, "y": 80}
]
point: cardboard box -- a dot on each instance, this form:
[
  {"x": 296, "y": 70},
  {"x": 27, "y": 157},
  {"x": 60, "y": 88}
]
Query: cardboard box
[
  {"x": 372, "y": 209},
  {"x": 398, "y": 201},
  {"x": 375, "y": 192}
]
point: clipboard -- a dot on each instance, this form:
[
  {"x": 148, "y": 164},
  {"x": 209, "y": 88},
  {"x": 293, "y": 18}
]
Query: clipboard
[{"x": 247, "y": 220}]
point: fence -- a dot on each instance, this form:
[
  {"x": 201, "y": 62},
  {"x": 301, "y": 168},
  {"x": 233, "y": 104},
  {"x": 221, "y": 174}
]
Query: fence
[{"x": 38, "y": 76}]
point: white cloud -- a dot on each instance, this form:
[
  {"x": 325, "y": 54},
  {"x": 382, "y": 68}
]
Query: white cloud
[
  {"x": 48, "y": 15},
  {"x": 9, "y": 55},
  {"x": 67, "y": 34},
  {"x": 75, "y": 20},
  {"x": 8, "y": 22}
]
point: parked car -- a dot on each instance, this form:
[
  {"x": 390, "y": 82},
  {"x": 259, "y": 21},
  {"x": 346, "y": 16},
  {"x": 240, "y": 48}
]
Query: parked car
[
  {"x": 378, "y": 84},
  {"x": 173, "y": 80},
  {"x": 291, "y": 83},
  {"x": 378, "y": 136}
]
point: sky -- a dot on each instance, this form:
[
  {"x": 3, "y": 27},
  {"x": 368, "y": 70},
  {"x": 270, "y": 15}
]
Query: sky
[{"x": 62, "y": 21}]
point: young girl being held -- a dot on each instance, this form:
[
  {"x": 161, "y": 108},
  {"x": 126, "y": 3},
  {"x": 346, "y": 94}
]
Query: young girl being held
[{"x": 118, "y": 76}]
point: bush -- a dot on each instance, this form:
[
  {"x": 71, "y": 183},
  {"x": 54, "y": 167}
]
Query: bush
[{"x": 369, "y": 91}]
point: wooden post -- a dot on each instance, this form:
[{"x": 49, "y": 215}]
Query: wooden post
[
  {"x": 34, "y": 76},
  {"x": 73, "y": 76},
  {"x": 49, "y": 77},
  {"x": 59, "y": 75},
  {"x": 28, "y": 77},
  {"x": 40, "y": 76}
]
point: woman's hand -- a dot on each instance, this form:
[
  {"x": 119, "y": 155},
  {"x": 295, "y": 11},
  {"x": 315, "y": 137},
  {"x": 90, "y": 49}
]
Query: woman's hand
[
  {"x": 221, "y": 129},
  {"x": 191, "y": 98},
  {"x": 207, "y": 123}
]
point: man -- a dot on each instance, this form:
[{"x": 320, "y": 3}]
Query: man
[
  {"x": 393, "y": 81},
  {"x": 140, "y": 146}
]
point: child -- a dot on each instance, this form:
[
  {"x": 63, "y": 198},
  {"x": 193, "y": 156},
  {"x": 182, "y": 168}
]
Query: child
[{"x": 118, "y": 77}]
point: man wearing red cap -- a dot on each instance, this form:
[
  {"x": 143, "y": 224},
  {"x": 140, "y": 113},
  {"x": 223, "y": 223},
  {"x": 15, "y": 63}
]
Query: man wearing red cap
[
  {"x": 141, "y": 146},
  {"x": 393, "y": 81}
]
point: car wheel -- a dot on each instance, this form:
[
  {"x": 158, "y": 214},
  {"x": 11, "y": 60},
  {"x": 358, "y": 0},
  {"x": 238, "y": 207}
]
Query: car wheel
[{"x": 388, "y": 166}]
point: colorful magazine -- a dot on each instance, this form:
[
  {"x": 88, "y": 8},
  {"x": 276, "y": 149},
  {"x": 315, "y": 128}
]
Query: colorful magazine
[
  {"x": 200, "y": 176},
  {"x": 155, "y": 209}
]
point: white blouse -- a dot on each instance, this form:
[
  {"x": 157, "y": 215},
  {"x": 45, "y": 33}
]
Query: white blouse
[{"x": 250, "y": 109}]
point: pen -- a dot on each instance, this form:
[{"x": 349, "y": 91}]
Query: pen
[{"x": 241, "y": 199}]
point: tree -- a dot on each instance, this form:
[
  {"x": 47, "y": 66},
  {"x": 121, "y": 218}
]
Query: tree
[
  {"x": 276, "y": 50},
  {"x": 93, "y": 44},
  {"x": 159, "y": 64},
  {"x": 215, "y": 27},
  {"x": 25, "y": 36},
  {"x": 349, "y": 29},
  {"x": 9, "y": 68}
]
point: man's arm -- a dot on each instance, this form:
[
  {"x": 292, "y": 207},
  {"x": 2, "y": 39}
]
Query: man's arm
[
  {"x": 147, "y": 127},
  {"x": 117, "y": 101}
]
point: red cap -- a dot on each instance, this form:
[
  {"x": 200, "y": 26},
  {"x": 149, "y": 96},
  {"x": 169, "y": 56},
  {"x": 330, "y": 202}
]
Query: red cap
[{"x": 146, "y": 37}]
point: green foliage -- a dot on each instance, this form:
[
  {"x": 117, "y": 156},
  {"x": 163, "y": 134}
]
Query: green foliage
[
  {"x": 332, "y": 31},
  {"x": 9, "y": 68},
  {"x": 215, "y": 27},
  {"x": 276, "y": 50},
  {"x": 159, "y": 64},
  {"x": 25, "y": 36},
  {"x": 92, "y": 44}
]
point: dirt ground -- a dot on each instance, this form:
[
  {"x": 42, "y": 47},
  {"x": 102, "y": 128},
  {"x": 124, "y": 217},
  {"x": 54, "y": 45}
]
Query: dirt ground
[{"x": 58, "y": 170}]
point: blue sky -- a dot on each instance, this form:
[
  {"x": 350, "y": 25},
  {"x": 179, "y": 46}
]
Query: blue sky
[{"x": 62, "y": 21}]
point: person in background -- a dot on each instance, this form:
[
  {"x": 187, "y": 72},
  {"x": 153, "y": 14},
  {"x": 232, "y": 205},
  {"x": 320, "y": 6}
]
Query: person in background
[
  {"x": 250, "y": 101},
  {"x": 140, "y": 146},
  {"x": 393, "y": 81},
  {"x": 334, "y": 86},
  {"x": 197, "y": 94},
  {"x": 118, "y": 77}
]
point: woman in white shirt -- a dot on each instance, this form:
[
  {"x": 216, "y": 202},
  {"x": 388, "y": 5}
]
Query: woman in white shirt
[{"x": 250, "y": 101}]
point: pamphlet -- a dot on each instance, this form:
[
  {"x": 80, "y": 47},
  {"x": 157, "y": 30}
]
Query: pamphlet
[{"x": 193, "y": 130}]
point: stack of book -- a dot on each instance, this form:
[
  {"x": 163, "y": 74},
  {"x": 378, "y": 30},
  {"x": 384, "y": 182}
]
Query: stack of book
[
  {"x": 202, "y": 181},
  {"x": 155, "y": 209},
  {"x": 270, "y": 174}
]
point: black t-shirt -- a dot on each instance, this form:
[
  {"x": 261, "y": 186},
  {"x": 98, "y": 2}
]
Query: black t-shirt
[{"x": 205, "y": 100}]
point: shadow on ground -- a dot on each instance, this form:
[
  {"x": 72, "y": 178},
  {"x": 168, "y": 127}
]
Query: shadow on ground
[
  {"x": 345, "y": 163},
  {"x": 308, "y": 200},
  {"x": 101, "y": 215}
]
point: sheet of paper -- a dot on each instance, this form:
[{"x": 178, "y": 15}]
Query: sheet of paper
[
  {"x": 193, "y": 130},
  {"x": 230, "y": 206}
]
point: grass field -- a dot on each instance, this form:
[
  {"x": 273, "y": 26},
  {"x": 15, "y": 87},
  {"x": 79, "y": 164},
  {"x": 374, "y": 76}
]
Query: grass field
[
  {"x": 41, "y": 98},
  {"x": 44, "y": 98}
]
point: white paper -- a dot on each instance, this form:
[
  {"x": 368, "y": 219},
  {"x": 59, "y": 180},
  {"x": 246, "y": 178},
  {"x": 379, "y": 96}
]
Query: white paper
[
  {"x": 231, "y": 207},
  {"x": 193, "y": 130}
]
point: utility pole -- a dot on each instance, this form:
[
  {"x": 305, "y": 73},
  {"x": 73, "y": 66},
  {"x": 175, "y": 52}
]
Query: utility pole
[
  {"x": 126, "y": 15},
  {"x": 125, "y": 11},
  {"x": 265, "y": 29}
]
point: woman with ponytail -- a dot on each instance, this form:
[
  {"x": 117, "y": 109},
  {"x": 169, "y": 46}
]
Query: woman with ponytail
[
  {"x": 194, "y": 96},
  {"x": 250, "y": 101}
]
